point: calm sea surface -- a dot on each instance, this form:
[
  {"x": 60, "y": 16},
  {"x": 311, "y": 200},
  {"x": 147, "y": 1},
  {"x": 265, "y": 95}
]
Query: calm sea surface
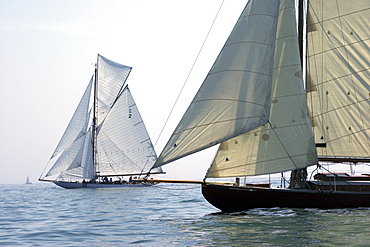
[{"x": 163, "y": 215}]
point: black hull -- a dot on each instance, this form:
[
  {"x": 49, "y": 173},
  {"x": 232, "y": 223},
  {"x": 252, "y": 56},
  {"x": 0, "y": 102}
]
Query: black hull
[{"x": 230, "y": 198}]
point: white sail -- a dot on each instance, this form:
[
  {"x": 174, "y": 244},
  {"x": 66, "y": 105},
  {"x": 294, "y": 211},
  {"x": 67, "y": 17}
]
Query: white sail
[
  {"x": 338, "y": 73},
  {"x": 235, "y": 96},
  {"x": 111, "y": 79},
  {"x": 83, "y": 166},
  {"x": 123, "y": 143},
  {"x": 118, "y": 145},
  {"x": 71, "y": 158},
  {"x": 78, "y": 124},
  {"x": 286, "y": 142}
]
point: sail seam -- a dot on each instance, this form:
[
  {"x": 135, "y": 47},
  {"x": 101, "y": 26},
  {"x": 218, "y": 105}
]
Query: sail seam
[
  {"x": 338, "y": 47},
  {"x": 287, "y": 36},
  {"x": 139, "y": 123},
  {"x": 249, "y": 42},
  {"x": 246, "y": 16},
  {"x": 287, "y": 66},
  {"x": 233, "y": 100},
  {"x": 339, "y": 108},
  {"x": 340, "y": 16},
  {"x": 350, "y": 134},
  {"x": 337, "y": 78},
  {"x": 212, "y": 123},
  {"x": 240, "y": 70}
]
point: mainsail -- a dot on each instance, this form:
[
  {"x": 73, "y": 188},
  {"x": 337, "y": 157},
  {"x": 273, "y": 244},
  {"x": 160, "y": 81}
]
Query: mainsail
[
  {"x": 338, "y": 78},
  {"x": 106, "y": 135}
]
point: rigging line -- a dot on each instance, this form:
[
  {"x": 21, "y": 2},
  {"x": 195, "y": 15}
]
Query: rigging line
[
  {"x": 277, "y": 136},
  {"x": 290, "y": 157},
  {"x": 191, "y": 69}
]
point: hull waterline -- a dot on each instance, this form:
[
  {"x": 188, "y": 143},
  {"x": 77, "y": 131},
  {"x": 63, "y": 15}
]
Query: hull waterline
[
  {"x": 231, "y": 198},
  {"x": 75, "y": 185}
]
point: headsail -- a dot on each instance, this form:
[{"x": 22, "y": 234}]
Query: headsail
[
  {"x": 338, "y": 77},
  {"x": 76, "y": 161},
  {"x": 123, "y": 143},
  {"x": 235, "y": 96},
  {"x": 71, "y": 156},
  {"x": 286, "y": 142}
]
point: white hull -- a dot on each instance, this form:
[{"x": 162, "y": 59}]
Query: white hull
[{"x": 75, "y": 185}]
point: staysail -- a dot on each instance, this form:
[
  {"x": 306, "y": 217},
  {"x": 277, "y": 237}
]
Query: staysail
[
  {"x": 286, "y": 142},
  {"x": 235, "y": 96},
  {"x": 338, "y": 78}
]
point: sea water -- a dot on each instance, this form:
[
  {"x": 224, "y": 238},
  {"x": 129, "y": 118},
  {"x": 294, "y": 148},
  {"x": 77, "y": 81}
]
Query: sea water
[{"x": 41, "y": 214}]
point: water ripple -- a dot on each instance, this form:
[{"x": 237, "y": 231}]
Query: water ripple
[{"x": 170, "y": 215}]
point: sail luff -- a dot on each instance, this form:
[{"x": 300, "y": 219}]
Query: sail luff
[{"x": 235, "y": 96}]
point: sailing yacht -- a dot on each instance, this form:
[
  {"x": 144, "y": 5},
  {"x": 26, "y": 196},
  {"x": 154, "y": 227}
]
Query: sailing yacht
[
  {"x": 106, "y": 140},
  {"x": 285, "y": 94}
]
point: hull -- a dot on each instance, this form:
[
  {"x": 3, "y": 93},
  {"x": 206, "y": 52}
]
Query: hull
[
  {"x": 230, "y": 198},
  {"x": 75, "y": 185}
]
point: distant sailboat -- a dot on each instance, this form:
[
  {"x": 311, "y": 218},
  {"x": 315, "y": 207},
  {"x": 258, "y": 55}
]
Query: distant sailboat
[
  {"x": 28, "y": 181},
  {"x": 254, "y": 104},
  {"x": 106, "y": 139}
]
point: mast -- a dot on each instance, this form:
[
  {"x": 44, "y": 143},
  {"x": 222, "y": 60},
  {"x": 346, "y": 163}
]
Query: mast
[
  {"x": 94, "y": 120},
  {"x": 298, "y": 177}
]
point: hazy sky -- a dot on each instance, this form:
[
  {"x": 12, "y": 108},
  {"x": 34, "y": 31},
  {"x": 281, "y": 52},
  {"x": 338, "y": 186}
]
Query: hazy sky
[{"x": 48, "y": 49}]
